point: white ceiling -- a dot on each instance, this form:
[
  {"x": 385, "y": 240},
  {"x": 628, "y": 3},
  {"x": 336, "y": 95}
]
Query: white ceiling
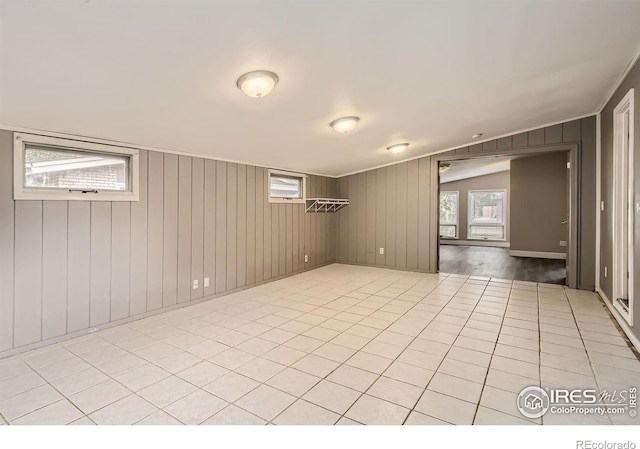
[
  {"x": 162, "y": 74},
  {"x": 480, "y": 166}
]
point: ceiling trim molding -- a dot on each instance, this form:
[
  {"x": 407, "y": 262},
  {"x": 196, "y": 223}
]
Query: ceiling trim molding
[
  {"x": 608, "y": 98},
  {"x": 117, "y": 143},
  {"x": 475, "y": 142}
]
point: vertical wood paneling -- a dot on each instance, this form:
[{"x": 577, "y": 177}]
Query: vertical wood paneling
[
  {"x": 266, "y": 236},
  {"x": 28, "y": 274},
  {"x": 301, "y": 219},
  {"x": 352, "y": 240},
  {"x": 553, "y": 134},
  {"x": 295, "y": 249},
  {"x": 54, "y": 268},
  {"x": 7, "y": 239},
  {"x": 275, "y": 234},
  {"x": 221, "y": 226},
  {"x": 170, "y": 234},
  {"x": 232, "y": 222},
  {"x": 260, "y": 206},
  {"x": 536, "y": 137},
  {"x": 241, "y": 253},
  {"x": 210, "y": 226},
  {"x": 120, "y": 259},
  {"x": 343, "y": 220},
  {"x": 571, "y": 131},
  {"x": 138, "y": 277},
  {"x": 155, "y": 232},
  {"x": 282, "y": 239},
  {"x": 392, "y": 210},
  {"x": 401, "y": 216},
  {"x": 361, "y": 236},
  {"x": 289, "y": 238},
  {"x": 79, "y": 266},
  {"x": 313, "y": 217},
  {"x": 100, "y": 303},
  {"x": 185, "y": 181},
  {"x": 250, "y": 254},
  {"x": 371, "y": 217},
  {"x": 381, "y": 214},
  {"x": 424, "y": 193},
  {"x": 412, "y": 214},
  {"x": 197, "y": 225}
]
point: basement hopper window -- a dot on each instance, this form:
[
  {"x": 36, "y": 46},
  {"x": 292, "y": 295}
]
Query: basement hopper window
[
  {"x": 50, "y": 168},
  {"x": 286, "y": 187}
]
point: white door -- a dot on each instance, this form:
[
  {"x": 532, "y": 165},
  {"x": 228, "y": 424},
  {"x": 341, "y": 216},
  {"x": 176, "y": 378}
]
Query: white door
[{"x": 623, "y": 207}]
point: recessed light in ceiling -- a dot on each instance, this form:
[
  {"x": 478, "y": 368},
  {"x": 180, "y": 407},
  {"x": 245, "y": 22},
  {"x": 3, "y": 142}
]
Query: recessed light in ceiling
[
  {"x": 398, "y": 147},
  {"x": 444, "y": 167},
  {"x": 258, "y": 83},
  {"x": 345, "y": 124},
  {"x": 476, "y": 136}
]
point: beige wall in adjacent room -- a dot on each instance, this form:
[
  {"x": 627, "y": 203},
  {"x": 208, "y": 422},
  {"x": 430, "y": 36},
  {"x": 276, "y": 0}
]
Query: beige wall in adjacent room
[{"x": 539, "y": 203}]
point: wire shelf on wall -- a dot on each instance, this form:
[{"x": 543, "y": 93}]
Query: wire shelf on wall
[{"x": 325, "y": 204}]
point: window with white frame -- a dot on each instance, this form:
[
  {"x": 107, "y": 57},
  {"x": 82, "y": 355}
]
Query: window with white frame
[
  {"x": 487, "y": 214},
  {"x": 449, "y": 215},
  {"x": 286, "y": 187},
  {"x": 51, "y": 168}
]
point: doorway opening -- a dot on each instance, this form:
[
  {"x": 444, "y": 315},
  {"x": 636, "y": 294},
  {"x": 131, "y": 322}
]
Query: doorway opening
[{"x": 510, "y": 215}]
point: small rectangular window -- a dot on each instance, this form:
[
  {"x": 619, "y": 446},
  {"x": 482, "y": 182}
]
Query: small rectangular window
[
  {"x": 285, "y": 187},
  {"x": 49, "y": 168},
  {"x": 449, "y": 215},
  {"x": 487, "y": 214}
]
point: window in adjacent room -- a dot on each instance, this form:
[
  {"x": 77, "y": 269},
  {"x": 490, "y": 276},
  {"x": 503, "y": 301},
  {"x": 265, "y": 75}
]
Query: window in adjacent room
[
  {"x": 487, "y": 212},
  {"x": 51, "y": 168},
  {"x": 449, "y": 215},
  {"x": 286, "y": 187}
]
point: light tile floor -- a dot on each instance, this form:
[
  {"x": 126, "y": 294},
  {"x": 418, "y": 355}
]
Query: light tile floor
[{"x": 337, "y": 345}]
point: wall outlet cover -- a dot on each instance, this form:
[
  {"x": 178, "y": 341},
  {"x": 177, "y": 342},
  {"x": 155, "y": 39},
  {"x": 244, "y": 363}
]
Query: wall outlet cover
[
  {"x": 195, "y": 284},
  {"x": 563, "y": 243},
  {"x": 306, "y": 258},
  {"x": 206, "y": 282},
  {"x": 381, "y": 250}
]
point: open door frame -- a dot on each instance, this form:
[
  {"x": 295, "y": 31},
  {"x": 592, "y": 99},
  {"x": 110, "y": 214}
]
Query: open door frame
[{"x": 573, "y": 249}]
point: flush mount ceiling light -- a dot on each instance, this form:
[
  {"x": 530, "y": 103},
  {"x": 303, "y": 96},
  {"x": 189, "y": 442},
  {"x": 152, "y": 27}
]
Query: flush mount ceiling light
[
  {"x": 258, "y": 83},
  {"x": 476, "y": 136},
  {"x": 398, "y": 147},
  {"x": 444, "y": 167},
  {"x": 345, "y": 124}
]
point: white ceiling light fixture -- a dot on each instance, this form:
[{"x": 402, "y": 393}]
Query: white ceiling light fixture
[
  {"x": 398, "y": 147},
  {"x": 345, "y": 124},
  {"x": 476, "y": 136},
  {"x": 444, "y": 167},
  {"x": 258, "y": 83}
]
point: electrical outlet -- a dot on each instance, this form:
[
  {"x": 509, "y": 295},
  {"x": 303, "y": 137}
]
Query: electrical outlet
[
  {"x": 195, "y": 284},
  {"x": 605, "y": 271},
  {"x": 206, "y": 282},
  {"x": 602, "y": 205},
  {"x": 381, "y": 250},
  {"x": 563, "y": 243},
  {"x": 306, "y": 258}
]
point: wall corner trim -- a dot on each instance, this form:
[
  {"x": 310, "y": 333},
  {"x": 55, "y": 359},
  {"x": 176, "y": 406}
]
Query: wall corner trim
[{"x": 619, "y": 320}]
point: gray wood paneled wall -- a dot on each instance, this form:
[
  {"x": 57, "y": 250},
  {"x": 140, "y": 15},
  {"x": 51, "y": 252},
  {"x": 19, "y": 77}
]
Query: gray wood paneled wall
[
  {"x": 68, "y": 266},
  {"x": 388, "y": 209},
  {"x": 389, "y": 206}
]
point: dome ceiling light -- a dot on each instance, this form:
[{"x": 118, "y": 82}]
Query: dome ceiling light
[
  {"x": 476, "y": 136},
  {"x": 345, "y": 124},
  {"x": 258, "y": 83},
  {"x": 444, "y": 167},
  {"x": 398, "y": 147}
]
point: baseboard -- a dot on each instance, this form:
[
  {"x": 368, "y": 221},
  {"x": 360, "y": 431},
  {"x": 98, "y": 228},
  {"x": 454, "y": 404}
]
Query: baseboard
[
  {"x": 620, "y": 320},
  {"x": 141, "y": 316},
  {"x": 537, "y": 254},
  {"x": 475, "y": 243}
]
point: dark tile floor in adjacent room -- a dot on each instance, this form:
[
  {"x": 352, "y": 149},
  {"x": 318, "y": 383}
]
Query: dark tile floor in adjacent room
[{"x": 497, "y": 263}]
